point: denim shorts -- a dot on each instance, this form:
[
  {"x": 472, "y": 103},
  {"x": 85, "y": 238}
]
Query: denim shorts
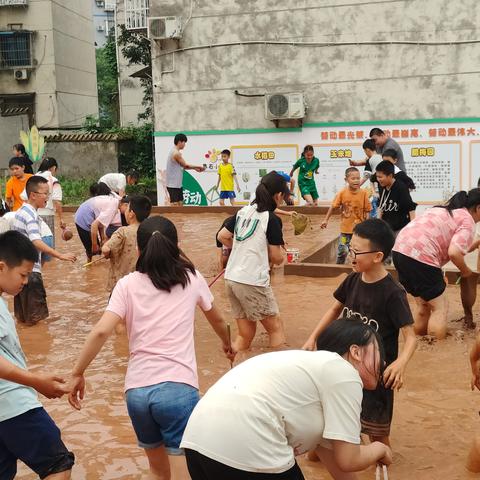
[
  {"x": 50, "y": 242},
  {"x": 159, "y": 414},
  {"x": 33, "y": 438}
]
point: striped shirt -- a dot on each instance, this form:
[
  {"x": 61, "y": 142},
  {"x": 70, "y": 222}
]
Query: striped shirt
[{"x": 27, "y": 222}]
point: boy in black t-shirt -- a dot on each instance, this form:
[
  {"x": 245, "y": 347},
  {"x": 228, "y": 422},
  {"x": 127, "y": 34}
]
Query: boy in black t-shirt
[
  {"x": 371, "y": 294},
  {"x": 395, "y": 206}
]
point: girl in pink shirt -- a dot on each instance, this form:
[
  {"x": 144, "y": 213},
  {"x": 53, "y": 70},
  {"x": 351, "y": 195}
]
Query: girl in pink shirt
[
  {"x": 425, "y": 245},
  {"x": 157, "y": 305}
]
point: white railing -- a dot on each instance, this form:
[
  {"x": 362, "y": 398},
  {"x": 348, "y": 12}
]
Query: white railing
[
  {"x": 9, "y": 3},
  {"x": 109, "y": 6},
  {"x": 136, "y": 14}
]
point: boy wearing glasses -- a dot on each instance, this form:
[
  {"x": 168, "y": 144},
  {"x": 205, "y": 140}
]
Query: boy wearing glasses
[
  {"x": 30, "y": 305},
  {"x": 355, "y": 207},
  {"x": 371, "y": 295}
]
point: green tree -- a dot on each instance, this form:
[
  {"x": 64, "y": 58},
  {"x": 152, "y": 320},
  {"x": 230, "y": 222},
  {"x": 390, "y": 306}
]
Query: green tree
[
  {"x": 136, "y": 49},
  {"x": 107, "y": 84}
]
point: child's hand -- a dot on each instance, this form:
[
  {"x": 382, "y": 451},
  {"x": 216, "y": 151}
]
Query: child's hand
[
  {"x": 323, "y": 225},
  {"x": 50, "y": 386},
  {"x": 77, "y": 391},
  {"x": 68, "y": 257},
  {"x": 393, "y": 375},
  {"x": 310, "y": 344},
  {"x": 229, "y": 352}
]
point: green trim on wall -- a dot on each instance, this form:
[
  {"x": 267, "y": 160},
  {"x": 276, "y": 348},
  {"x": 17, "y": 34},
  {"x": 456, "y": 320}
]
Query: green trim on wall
[
  {"x": 320, "y": 124},
  {"x": 228, "y": 132}
]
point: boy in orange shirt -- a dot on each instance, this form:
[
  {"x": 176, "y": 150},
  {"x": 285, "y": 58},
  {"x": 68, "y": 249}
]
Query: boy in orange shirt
[
  {"x": 355, "y": 207},
  {"x": 16, "y": 185}
]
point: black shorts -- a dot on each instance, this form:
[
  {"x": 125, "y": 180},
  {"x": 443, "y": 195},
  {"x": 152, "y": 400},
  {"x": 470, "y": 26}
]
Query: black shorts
[
  {"x": 86, "y": 240},
  {"x": 377, "y": 411},
  {"x": 175, "y": 194},
  {"x": 30, "y": 305},
  {"x": 419, "y": 279},
  {"x": 201, "y": 467},
  {"x": 33, "y": 438}
]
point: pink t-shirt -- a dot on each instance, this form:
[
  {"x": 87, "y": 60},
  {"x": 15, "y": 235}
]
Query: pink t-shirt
[
  {"x": 160, "y": 328},
  {"x": 428, "y": 237}
]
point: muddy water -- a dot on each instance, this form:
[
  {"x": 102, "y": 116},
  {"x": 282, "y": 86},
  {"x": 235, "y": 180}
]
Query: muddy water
[{"x": 435, "y": 414}]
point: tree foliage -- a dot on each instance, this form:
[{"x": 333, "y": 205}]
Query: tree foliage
[
  {"x": 136, "y": 49},
  {"x": 107, "y": 84}
]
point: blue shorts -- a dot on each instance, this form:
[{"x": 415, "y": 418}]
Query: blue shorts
[
  {"x": 224, "y": 194},
  {"x": 159, "y": 414},
  {"x": 33, "y": 438},
  {"x": 49, "y": 241}
]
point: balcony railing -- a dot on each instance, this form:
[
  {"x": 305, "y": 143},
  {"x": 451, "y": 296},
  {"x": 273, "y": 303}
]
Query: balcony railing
[{"x": 13, "y": 3}]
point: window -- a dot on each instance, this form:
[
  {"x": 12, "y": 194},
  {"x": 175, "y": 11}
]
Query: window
[
  {"x": 136, "y": 13},
  {"x": 15, "y": 49}
]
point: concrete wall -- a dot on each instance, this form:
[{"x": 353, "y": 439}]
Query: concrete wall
[
  {"x": 352, "y": 83},
  {"x": 64, "y": 76},
  {"x": 131, "y": 91},
  {"x": 84, "y": 159},
  {"x": 10, "y": 128}
]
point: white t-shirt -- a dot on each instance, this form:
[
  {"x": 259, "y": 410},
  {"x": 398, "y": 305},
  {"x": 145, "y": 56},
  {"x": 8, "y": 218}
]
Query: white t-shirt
[
  {"x": 6, "y": 222},
  {"x": 272, "y": 407},
  {"x": 374, "y": 160},
  {"x": 54, "y": 193},
  {"x": 115, "y": 181},
  {"x": 254, "y": 231}
]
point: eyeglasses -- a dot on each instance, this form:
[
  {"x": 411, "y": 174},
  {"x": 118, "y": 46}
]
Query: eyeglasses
[
  {"x": 40, "y": 193},
  {"x": 354, "y": 253}
]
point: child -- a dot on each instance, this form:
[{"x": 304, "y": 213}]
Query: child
[
  {"x": 121, "y": 248},
  {"x": 392, "y": 156},
  {"x": 255, "y": 236},
  {"x": 117, "y": 182},
  {"x": 27, "y": 432},
  {"x": 6, "y": 217},
  {"x": 226, "y": 175},
  {"x": 395, "y": 206},
  {"x": 19, "y": 151},
  {"x": 308, "y": 165},
  {"x": 16, "y": 184},
  {"x": 157, "y": 304},
  {"x": 93, "y": 217},
  {"x": 355, "y": 206},
  {"x": 370, "y": 294},
  {"x": 31, "y": 303},
  {"x": 224, "y": 251}
]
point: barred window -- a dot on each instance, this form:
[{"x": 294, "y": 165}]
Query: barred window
[
  {"x": 15, "y": 49},
  {"x": 136, "y": 13}
]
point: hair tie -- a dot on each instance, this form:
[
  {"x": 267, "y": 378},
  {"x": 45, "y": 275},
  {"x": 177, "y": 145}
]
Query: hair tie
[{"x": 155, "y": 232}]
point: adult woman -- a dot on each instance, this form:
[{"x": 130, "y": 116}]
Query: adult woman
[
  {"x": 254, "y": 421},
  {"x": 425, "y": 245},
  {"x": 157, "y": 305},
  {"x": 308, "y": 165},
  {"x": 47, "y": 169},
  {"x": 19, "y": 151},
  {"x": 255, "y": 236}
]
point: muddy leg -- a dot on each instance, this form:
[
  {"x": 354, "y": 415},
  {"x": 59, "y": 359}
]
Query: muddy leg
[
  {"x": 437, "y": 325},
  {"x": 246, "y": 332},
  {"x": 274, "y": 327},
  {"x": 422, "y": 316},
  {"x": 159, "y": 463},
  {"x": 468, "y": 294}
]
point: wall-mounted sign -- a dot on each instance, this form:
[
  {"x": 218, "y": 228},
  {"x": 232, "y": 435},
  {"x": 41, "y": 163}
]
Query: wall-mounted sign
[{"x": 10, "y": 3}]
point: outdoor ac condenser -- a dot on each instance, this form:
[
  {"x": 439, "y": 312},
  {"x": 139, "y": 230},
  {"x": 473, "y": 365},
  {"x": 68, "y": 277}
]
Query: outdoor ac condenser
[
  {"x": 163, "y": 28},
  {"x": 20, "y": 74},
  {"x": 280, "y": 106}
]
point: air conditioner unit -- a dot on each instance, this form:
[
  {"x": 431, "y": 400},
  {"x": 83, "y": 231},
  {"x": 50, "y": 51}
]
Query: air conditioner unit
[
  {"x": 100, "y": 28},
  {"x": 280, "y": 106},
  {"x": 20, "y": 74},
  {"x": 162, "y": 28}
]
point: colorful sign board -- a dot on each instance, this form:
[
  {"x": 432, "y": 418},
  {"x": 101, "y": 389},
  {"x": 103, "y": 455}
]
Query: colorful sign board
[{"x": 440, "y": 157}]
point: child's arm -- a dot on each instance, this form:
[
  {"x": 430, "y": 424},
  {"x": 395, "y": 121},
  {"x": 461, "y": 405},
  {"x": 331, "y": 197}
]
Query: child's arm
[
  {"x": 218, "y": 181},
  {"x": 411, "y": 214},
  {"x": 219, "y": 326},
  {"x": 474, "y": 246},
  {"x": 275, "y": 254},
  {"x": 331, "y": 314},
  {"x": 44, "y": 248},
  {"x": 93, "y": 344},
  {"x": 474, "y": 358},
  {"x": 278, "y": 211},
  {"x": 393, "y": 375},
  {"x": 225, "y": 237},
  {"x": 9, "y": 194},
  {"x": 327, "y": 217},
  {"x": 51, "y": 386},
  {"x": 114, "y": 246},
  {"x": 236, "y": 181}
]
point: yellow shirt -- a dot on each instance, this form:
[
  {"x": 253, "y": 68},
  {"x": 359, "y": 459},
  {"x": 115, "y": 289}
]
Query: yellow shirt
[
  {"x": 355, "y": 206},
  {"x": 226, "y": 172}
]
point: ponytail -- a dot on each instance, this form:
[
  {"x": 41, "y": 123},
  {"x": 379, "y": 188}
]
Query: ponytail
[
  {"x": 269, "y": 185},
  {"x": 160, "y": 257},
  {"x": 462, "y": 199}
]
